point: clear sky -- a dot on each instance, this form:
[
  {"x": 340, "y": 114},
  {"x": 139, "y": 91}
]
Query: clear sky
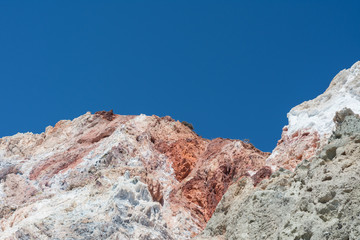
[{"x": 231, "y": 68}]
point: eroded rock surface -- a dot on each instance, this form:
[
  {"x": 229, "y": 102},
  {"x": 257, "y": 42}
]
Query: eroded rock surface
[
  {"x": 310, "y": 123},
  {"x": 319, "y": 200},
  {"x": 107, "y": 176}
]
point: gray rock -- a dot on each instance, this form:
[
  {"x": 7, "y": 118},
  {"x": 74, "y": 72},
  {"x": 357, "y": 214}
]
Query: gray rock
[{"x": 320, "y": 200}]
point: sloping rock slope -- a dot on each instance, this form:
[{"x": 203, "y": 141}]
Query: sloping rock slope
[
  {"x": 310, "y": 123},
  {"x": 107, "y": 176},
  {"x": 319, "y": 200}
]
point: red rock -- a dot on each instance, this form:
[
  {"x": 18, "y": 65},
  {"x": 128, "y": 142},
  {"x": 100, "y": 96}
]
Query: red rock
[
  {"x": 222, "y": 163},
  {"x": 183, "y": 154}
]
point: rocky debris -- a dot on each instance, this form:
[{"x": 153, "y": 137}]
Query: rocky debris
[
  {"x": 319, "y": 200},
  {"x": 107, "y": 176},
  {"x": 310, "y": 123}
]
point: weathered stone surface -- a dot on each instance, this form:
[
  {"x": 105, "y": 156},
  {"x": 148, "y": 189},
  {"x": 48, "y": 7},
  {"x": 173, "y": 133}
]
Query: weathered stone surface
[
  {"x": 183, "y": 154},
  {"x": 221, "y": 164},
  {"x": 106, "y": 176},
  {"x": 311, "y": 123},
  {"x": 319, "y": 200},
  {"x": 263, "y": 173}
]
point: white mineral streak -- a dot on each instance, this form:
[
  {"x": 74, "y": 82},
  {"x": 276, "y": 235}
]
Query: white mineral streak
[{"x": 317, "y": 114}]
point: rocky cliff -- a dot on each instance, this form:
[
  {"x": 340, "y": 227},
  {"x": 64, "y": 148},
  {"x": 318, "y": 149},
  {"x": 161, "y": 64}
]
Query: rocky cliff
[
  {"x": 311, "y": 123},
  {"x": 319, "y": 200},
  {"x": 107, "y": 176},
  {"x": 314, "y": 194}
]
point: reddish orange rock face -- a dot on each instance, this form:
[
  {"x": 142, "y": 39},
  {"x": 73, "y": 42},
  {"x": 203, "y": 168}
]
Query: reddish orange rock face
[
  {"x": 205, "y": 169},
  {"x": 183, "y": 154},
  {"x": 223, "y": 162}
]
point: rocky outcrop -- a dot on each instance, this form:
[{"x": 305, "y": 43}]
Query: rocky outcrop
[
  {"x": 310, "y": 123},
  {"x": 319, "y": 200},
  {"x": 107, "y": 176},
  {"x": 223, "y": 162}
]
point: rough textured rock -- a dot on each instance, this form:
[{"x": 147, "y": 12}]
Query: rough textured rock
[
  {"x": 310, "y": 123},
  {"x": 223, "y": 162},
  {"x": 319, "y": 200},
  {"x": 106, "y": 176}
]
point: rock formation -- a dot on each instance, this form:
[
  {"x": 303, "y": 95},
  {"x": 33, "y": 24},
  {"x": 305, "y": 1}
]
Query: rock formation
[
  {"x": 319, "y": 200},
  {"x": 106, "y": 176},
  {"x": 311, "y": 123}
]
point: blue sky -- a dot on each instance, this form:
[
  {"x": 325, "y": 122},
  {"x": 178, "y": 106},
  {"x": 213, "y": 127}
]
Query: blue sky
[{"x": 232, "y": 68}]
